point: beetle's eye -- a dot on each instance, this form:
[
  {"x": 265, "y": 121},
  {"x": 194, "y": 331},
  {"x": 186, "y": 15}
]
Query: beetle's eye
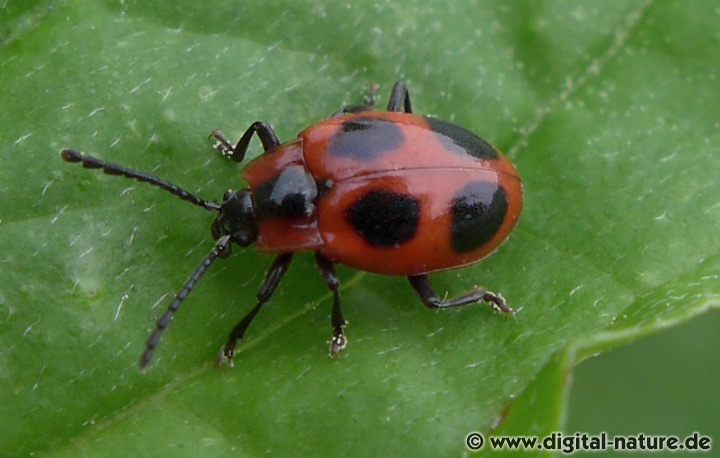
[{"x": 227, "y": 195}]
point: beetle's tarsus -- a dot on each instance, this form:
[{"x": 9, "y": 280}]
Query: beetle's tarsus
[{"x": 338, "y": 342}]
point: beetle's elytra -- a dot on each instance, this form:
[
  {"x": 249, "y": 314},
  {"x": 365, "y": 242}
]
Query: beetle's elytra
[{"x": 389, "y": 192}]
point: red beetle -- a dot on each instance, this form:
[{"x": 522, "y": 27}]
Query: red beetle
[{"x": 388, "y": 192}]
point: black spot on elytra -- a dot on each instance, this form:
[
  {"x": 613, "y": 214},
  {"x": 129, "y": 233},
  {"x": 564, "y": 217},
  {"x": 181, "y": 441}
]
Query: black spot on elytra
[
  {"x": 365, "y": 139},
  {"x": 290, "y": 194},
  {"x": 478, "y": 211},
  {"x": 461, "y": 141},
  {"x": 385, "y": 218}
]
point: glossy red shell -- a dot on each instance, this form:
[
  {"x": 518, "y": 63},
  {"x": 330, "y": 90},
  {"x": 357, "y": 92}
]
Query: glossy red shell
[{"x": 421, "y": 166}]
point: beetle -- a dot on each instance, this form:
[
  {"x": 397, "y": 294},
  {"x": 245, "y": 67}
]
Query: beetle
[{"x": 389, "y": 192}]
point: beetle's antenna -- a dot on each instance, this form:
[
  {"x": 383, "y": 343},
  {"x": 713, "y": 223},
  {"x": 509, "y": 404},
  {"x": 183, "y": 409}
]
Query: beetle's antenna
[
  {"x": 91, "y": 162},
  {"x": 164, "y": 321}
]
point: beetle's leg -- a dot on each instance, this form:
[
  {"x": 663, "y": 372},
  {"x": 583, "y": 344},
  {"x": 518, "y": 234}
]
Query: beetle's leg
[
  {"x": 422, "y": 285},
  {"x": 269, "y": 284},
  {"x": 338, "y": 322},
  {"x": 399, "y": 98},
  {"x": 350, "y": 109},
  {"x": 237, "y": 153},
  {"x": 367, "y": 105},
  {"x": 222, "y": 247}
]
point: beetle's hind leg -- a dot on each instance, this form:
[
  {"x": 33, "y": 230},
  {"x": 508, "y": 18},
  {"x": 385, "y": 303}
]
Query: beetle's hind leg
[
  {"x": 338, "y": 322},
  {"x": 367, "y": 105},
  {"x": 421, "y": 284}
]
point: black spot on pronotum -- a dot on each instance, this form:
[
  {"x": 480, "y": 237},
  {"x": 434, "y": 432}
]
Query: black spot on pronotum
[
  {"x": 461, "y": 141},
  {"x": 290, "y": 194},
  {"x": 478, "y": 211},
  {"x": 384, "y": 218},
  {"x": 365, "y": 139}
]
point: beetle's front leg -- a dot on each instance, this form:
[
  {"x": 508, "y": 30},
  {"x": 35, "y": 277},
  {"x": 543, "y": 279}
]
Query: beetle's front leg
[
  {"x": 263, "y": 130},
  {"x": 268, "y": 287}
]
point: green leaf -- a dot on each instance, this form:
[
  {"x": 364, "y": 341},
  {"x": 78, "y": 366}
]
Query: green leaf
[{"x": 610, "y": 110}]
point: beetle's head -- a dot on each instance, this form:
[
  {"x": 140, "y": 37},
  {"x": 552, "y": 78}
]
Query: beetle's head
[{"x": 236, "y": 219}]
